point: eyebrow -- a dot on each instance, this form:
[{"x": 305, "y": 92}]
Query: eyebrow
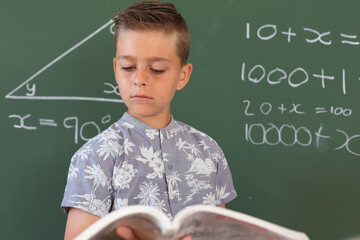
[{"x": 152, "y": 59}]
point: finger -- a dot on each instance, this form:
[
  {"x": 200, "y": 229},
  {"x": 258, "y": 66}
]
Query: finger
[
  {"x": 125, "y": 233},
  {"x": 186, "y": 237}
]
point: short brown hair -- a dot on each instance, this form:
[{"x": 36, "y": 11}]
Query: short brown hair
[{"x": 155, "y": 15}]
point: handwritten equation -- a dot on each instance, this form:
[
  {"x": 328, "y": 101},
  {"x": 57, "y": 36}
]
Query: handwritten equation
[
  {"x": 289, "y": 135},
  {"x": 267, "y": 108},
  {"x": 272, "y": 134},
  {"x": 271, "y": 31},
  {"x": 294, "y": 78},
  {"x": 72, "y": 122}
]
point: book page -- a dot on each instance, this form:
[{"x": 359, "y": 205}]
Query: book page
[{"x": 212, "y": 226}]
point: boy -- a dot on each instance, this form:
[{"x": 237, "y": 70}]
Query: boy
[{"x": 146, "y": 157}]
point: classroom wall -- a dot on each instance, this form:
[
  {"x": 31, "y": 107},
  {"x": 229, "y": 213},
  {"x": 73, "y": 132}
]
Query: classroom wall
[{"x": 275, "y": 82}]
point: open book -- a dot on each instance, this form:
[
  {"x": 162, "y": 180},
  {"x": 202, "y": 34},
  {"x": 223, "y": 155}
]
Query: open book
[{"x": 200, "y": 221}]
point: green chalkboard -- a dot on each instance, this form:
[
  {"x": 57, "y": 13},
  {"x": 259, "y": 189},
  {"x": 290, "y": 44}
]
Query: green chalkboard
[{"x": 275, "y": 82}]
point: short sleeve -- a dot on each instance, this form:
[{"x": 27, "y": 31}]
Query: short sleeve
[
  {"x": 89, "y": 185},
  {"x": 225, "y": 191}
]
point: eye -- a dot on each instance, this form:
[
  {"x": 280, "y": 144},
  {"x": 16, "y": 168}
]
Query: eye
[
  {"x": 157, "y": 71},
  {"x": 128, "y": 69}
]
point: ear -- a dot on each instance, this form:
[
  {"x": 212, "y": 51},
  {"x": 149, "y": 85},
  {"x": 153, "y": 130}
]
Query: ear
[
  {"x": 114, "y": 65},
  {"x": 185, "y": 76}
]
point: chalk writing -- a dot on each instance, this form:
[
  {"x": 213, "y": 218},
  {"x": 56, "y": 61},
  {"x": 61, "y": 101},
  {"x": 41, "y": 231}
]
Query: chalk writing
[
  {"x": 30, "y": 95},
  {"x": 272, "y": 135},
  {"x": 22, "y": 122},
  {"x": 289, "y": 135},
  {"x": 48, "y": 122},
  {"x": 289, "y": 34},
  {"x": 31, "y": 90},
  {"x": 266, "y": 108},
  {"x": 73, "y": 122},
  {"x": 106, "y": 119},
  {"x": 349, "y": 37},
  {"x": 270, "y": 31},
  {"x": 114, "y": 89},
  {"x": 80, "y": 129},
  {"x": 318, "y": 37},
  {"x": 347, "y": 142},
  {"x": 279, "y": 137},
  {"x": 296, "y": 78}
]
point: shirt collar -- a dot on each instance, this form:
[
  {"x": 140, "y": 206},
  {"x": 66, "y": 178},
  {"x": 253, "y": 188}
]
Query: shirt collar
[{"x": 143, "y": 126}]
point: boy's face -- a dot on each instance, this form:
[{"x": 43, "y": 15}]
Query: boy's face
[{"x": 148, "y": 72}]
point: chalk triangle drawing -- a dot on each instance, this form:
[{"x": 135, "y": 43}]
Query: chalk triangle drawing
[{"x": 31, "y": 89}]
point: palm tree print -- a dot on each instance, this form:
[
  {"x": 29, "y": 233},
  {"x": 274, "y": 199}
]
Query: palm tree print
[
  {"x": 149, "y": 196},
  {"x": 172, "y": 179}
]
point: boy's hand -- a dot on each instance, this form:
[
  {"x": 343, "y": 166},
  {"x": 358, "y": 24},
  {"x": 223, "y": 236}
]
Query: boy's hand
[
  {"x": 127, "y": 233},
  {"x": 186, "y": 237}
]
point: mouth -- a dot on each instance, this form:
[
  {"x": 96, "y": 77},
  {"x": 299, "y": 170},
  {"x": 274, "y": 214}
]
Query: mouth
[{"x": 141, "y": 97}]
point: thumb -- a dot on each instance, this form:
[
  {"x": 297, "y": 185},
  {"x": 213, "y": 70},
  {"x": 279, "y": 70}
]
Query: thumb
[{"x": 125, "y": 233}]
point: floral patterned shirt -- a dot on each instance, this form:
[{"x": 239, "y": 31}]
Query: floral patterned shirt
[{"x": 133, "y": 163}]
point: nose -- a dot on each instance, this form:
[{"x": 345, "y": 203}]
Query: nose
[{"x": 141, "y": 78}]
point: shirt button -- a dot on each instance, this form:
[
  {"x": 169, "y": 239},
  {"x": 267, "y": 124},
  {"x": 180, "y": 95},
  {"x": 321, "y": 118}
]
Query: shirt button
[
  {"x": 156, "y": 136},
  {"x": 170, "y": 167}
]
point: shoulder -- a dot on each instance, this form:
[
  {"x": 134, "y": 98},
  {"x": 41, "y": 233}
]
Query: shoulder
[
  {"x": 113, "y": 133},
  {"x": 198, "y": 135},
  {"x": 205, "y": 145},
  {"x": 109, "y": 140}
]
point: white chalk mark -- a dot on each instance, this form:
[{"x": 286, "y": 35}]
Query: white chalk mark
[
  {"x": 290, "y": 34},
  {"x": 277, "y": 133},
  {"x": 350, "y": 37},
  {"x": 70, "y": 98},
  {"x": 347, "y": 142},
  {"x": 22, "y": 122},
  {"x": 247, "y": 108},
  {"x": 343, "y": 81},
  {"x": 11, "y": 96},
  {"x": 243, "y": 71},
  {"x": 295, "y": 109},
  {"x": 75, "y": 126},
  {"x": 248, "y": 30},
  {"x": 88, "y": 124},
  {"x": 319, "y": 37},
  {"x": 323, "y": 77},
  {"x": 318, "y": 136},
  {"x": 114, "y": 89},
  {"x": 282, "y": 108},
  {"x": 320, "y": 110},
  {"x": 106, "y": 119},
  {"x": 48, "y": 122},
  {"x": 350, "y": 43},
  {"x": 268, "y": 108},
  {"x": 31, "y": 90},
  {"x": 112, "y": 29},
  {"x": 270, "y": 36},
  {"x": 246, "y": 132}
]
